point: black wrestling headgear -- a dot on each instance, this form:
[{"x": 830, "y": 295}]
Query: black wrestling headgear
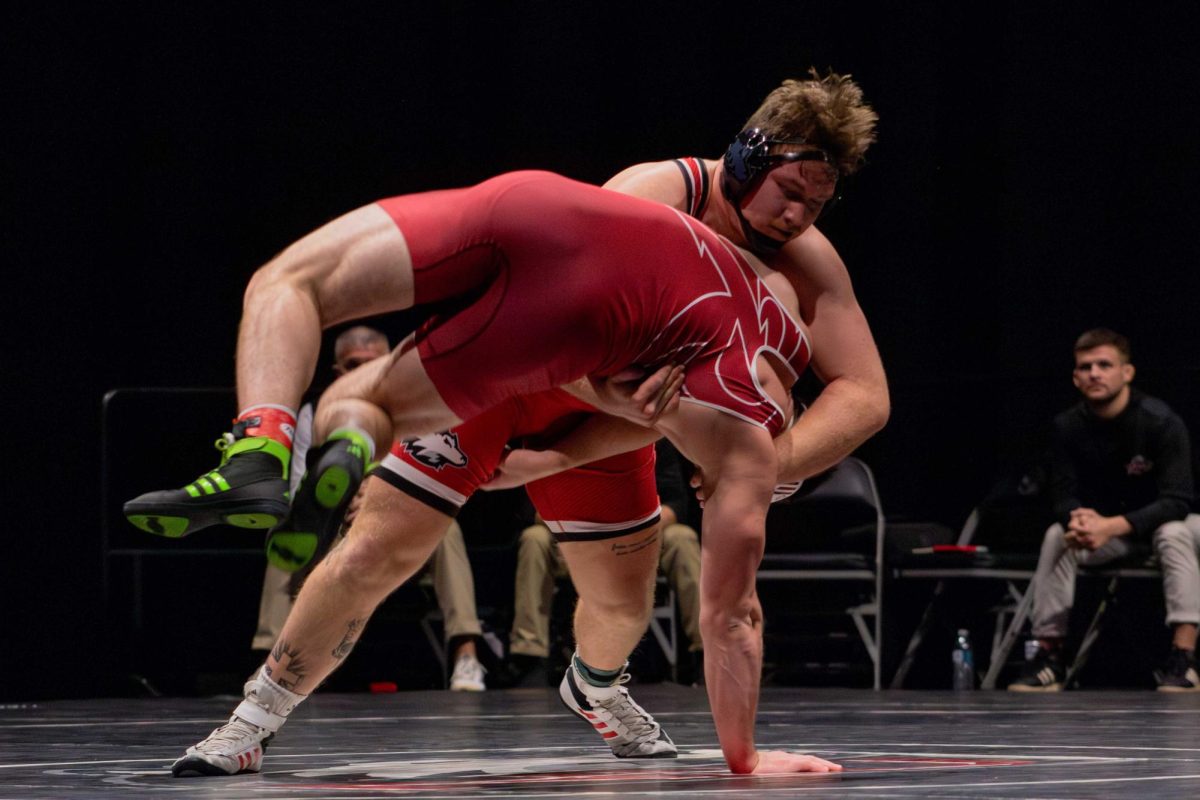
[{"x": 747, "y": 160}]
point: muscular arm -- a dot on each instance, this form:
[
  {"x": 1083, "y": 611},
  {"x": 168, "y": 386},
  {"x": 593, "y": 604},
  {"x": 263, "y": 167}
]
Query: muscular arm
[
  {"x": 634, "y": 400},
  {"x": 599, "y": 437},
  {"x": 739, "y": 463},
  {"x": 854, "y": 405}
]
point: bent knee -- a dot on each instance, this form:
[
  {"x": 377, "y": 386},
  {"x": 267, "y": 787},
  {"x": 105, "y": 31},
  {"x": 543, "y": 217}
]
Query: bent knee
[
  {"x": 537, "y": 536},
  {"x": 629, "y": 606},
  {"x": 279, "y": 271},
  {"x": 1172, "y": 534}
]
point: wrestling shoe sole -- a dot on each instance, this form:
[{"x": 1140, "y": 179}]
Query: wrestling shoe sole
[
  {"x": 316, "y": 512},
  {"x": 249, "y": 760},
  {"x": 174, "y": 518},
  {"x": 195, "y": 766}
]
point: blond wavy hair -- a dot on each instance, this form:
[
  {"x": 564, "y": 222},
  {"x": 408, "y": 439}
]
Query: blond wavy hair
[{"x": 827, "y": 111}]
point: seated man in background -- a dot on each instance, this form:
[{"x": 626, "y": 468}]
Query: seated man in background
[
  {"x": 1121, "y": 471},
  {"x": 448, "y": 567},
  {"x": 540, "y": 563}
]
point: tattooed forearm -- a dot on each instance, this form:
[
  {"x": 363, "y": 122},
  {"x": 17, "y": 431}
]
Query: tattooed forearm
[
  {"x": 353, "y": 629},
  {"x": 290, "y": 668},
  {"x": 635, "y": 547}
]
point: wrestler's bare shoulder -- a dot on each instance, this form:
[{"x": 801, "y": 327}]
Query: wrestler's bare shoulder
[
  {"x": 811, "y": 262},
  {"x": 652, "y": 180}
]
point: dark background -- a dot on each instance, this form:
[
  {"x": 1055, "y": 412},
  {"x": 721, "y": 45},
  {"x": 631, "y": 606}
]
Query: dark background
[{"x": 1034, "y": 177}]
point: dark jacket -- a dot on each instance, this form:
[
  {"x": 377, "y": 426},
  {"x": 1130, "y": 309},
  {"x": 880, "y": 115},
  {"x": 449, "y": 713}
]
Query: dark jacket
[{"x": 1138, "y": 464}]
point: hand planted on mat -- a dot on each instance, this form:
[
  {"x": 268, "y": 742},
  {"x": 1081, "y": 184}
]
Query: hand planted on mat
[{"x": 774, "y": 761}]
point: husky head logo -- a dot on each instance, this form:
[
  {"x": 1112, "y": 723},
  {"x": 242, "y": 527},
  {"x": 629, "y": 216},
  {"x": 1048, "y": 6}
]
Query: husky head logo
[{"x": 438, "y": 450}]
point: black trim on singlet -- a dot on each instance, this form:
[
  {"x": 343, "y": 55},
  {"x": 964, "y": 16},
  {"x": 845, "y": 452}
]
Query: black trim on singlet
[
  {"x": 599, "y": 536},
  {"x": 417, "y": 493},
  {"x": 694, "y": 209}
]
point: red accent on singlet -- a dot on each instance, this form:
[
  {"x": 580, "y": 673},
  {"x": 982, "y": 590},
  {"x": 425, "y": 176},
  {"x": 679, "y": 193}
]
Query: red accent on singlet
[{"x": 562, "y": 279}]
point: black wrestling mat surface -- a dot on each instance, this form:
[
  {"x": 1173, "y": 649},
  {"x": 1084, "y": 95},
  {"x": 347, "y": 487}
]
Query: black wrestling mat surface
[{"x": 522, "y": 743}]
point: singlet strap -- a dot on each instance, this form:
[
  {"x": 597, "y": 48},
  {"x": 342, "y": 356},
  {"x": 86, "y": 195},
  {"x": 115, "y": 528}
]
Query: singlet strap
[{"x": 695, "y": 180}]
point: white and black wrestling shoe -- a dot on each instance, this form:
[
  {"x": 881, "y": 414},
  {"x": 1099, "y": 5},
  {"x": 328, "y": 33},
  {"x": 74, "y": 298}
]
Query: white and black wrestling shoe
[{"x": 624, "y": 725}]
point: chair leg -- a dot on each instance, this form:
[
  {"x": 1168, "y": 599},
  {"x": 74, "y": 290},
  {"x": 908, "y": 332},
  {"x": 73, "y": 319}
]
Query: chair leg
[
  {"x": 439, "y": 649},
  {"x": 914, "y": 642},
  {"x": 857, "y": 613},
  {"x": 1000, "y": 653},
  {"x": 667, "y": 639},
  {"x": 1003, "y": 610},
  {"x": 1093, "y": 633}
]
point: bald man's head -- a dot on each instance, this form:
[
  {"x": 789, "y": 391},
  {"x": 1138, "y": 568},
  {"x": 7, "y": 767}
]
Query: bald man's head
[{"x": 357, "y": 346}]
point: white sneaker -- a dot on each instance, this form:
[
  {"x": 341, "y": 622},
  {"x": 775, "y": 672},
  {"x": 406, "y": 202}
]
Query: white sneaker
[
  {"x": 234, "y": 748},
  {"x": 468, "y": 675},
  {"x": 625, "y": 726}
]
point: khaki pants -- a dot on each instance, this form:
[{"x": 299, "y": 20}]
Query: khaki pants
[{"x": 1175, "y": 543}]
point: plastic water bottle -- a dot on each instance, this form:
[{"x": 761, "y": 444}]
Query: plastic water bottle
[{"x": 964, "y": 661}]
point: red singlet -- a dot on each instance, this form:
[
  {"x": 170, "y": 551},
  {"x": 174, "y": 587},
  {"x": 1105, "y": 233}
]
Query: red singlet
[{"x": 560, "y": 279}]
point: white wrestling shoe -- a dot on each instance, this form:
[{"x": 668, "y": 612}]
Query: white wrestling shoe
[
  {"x": 238, "y": 745},
  {"x": 234, "y": 748},
  {"x": 468, "y": 675},
  {"x": 625, "y": 726}
]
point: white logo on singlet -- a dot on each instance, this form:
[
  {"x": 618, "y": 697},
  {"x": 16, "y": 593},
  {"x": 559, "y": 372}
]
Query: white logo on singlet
[
  {"x": 759, "y": 311},
  {"x": 438, "y": 450}
]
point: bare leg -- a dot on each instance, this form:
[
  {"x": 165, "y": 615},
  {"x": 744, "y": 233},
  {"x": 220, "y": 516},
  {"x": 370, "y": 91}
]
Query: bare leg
[
  {"x": 356, "y": 266},
  {"x": 389, "y": 398},
  {"x": 391, "y": 539},
  {"x": 615, "y": 582}
]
